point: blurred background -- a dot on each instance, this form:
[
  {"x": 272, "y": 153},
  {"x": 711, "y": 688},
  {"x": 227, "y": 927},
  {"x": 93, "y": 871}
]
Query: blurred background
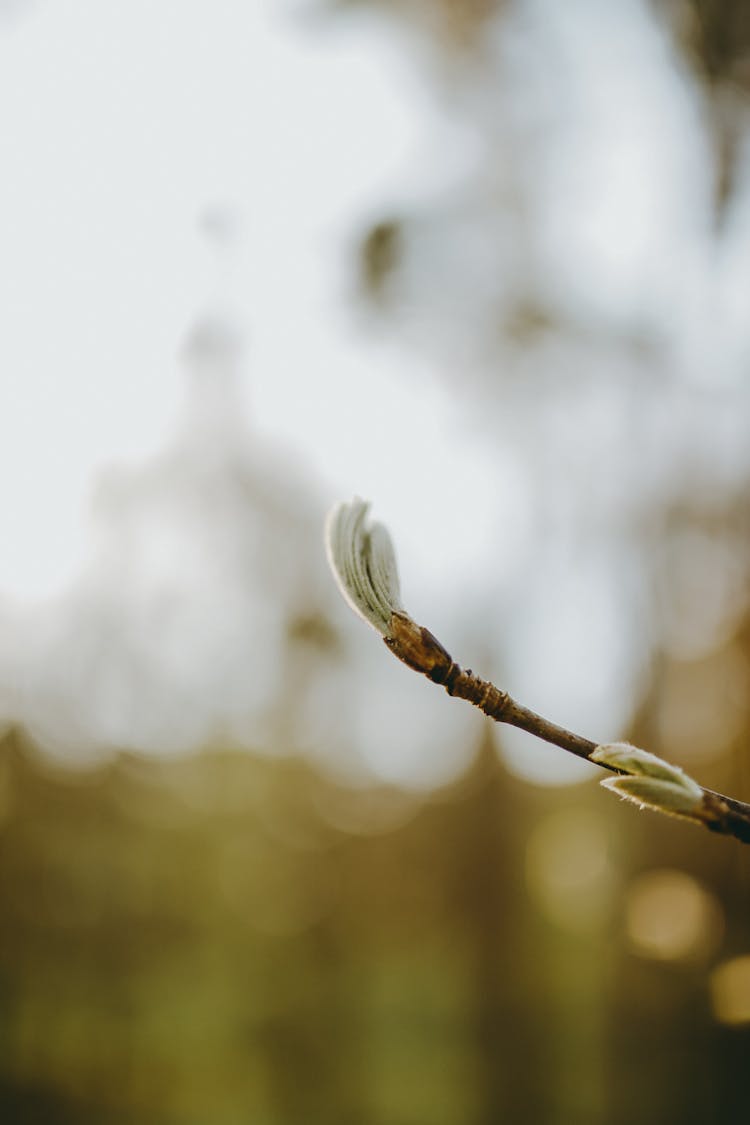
[{"x": 487, "y": 263}]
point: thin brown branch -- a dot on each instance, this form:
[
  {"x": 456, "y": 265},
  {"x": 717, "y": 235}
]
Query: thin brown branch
[
  {"x": 420, "y": 649},
  {"x": 363, "y": 560}
]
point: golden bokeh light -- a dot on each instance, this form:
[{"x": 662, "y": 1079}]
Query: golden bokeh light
[
  {"x": 730, "y": 991},
  {"x": 568, "y": 870},
  {"x": 671, "y": 917}
]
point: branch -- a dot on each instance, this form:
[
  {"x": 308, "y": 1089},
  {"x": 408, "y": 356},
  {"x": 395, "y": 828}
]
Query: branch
[{"x": 363, "y": 561}]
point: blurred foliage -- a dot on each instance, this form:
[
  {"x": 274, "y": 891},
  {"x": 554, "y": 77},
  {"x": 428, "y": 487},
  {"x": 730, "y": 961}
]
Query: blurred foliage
[
  {"x": 380, "y": 255},
  {"x": 715, "y": 37},
  {"x": 716, "y": 34},
  {"x": 234, "y": 939},
  {"x": 200, "y": 940}
]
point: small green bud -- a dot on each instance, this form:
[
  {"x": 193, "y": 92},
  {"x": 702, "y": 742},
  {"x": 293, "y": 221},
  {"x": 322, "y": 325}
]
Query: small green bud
[
  {"x": 650, "y": 782},
  {"x": 653, "y": 793},
  {"x": 639, "y": 763},
  {"x": 363, "y": 561}
]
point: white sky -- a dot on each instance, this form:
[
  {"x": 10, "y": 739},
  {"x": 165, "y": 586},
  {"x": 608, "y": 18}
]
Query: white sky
[
  {"x": 124, "y": 126},
  {"x": 121, "y": 127}
]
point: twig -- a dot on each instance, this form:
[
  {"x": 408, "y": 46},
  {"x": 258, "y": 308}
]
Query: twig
[{"x": 364, "y": 563}]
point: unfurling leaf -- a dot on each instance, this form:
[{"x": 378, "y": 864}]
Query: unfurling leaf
[
  {"x": 363, "y": 561},
  {"x": 650, "y": 782},
  {"x": 652, "y": 793}
]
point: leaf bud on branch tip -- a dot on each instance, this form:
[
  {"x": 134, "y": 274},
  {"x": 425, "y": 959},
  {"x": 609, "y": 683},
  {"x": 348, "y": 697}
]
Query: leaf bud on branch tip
[
  {"x": 649, "y": 781},
  {"x": 363, "y": 561}
]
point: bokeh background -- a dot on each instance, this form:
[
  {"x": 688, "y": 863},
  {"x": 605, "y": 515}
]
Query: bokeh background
[{"x": 486, "y": 262}]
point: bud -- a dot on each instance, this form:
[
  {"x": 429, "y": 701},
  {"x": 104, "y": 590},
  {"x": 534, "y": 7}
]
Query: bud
[
  {"x": 363, "y": 562},
  {"x": 650, "y": 781}
]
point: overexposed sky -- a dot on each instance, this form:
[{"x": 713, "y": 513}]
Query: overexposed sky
[
  {"x": 126, "y": 132},
  {"x": 166, "y": 163}
]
